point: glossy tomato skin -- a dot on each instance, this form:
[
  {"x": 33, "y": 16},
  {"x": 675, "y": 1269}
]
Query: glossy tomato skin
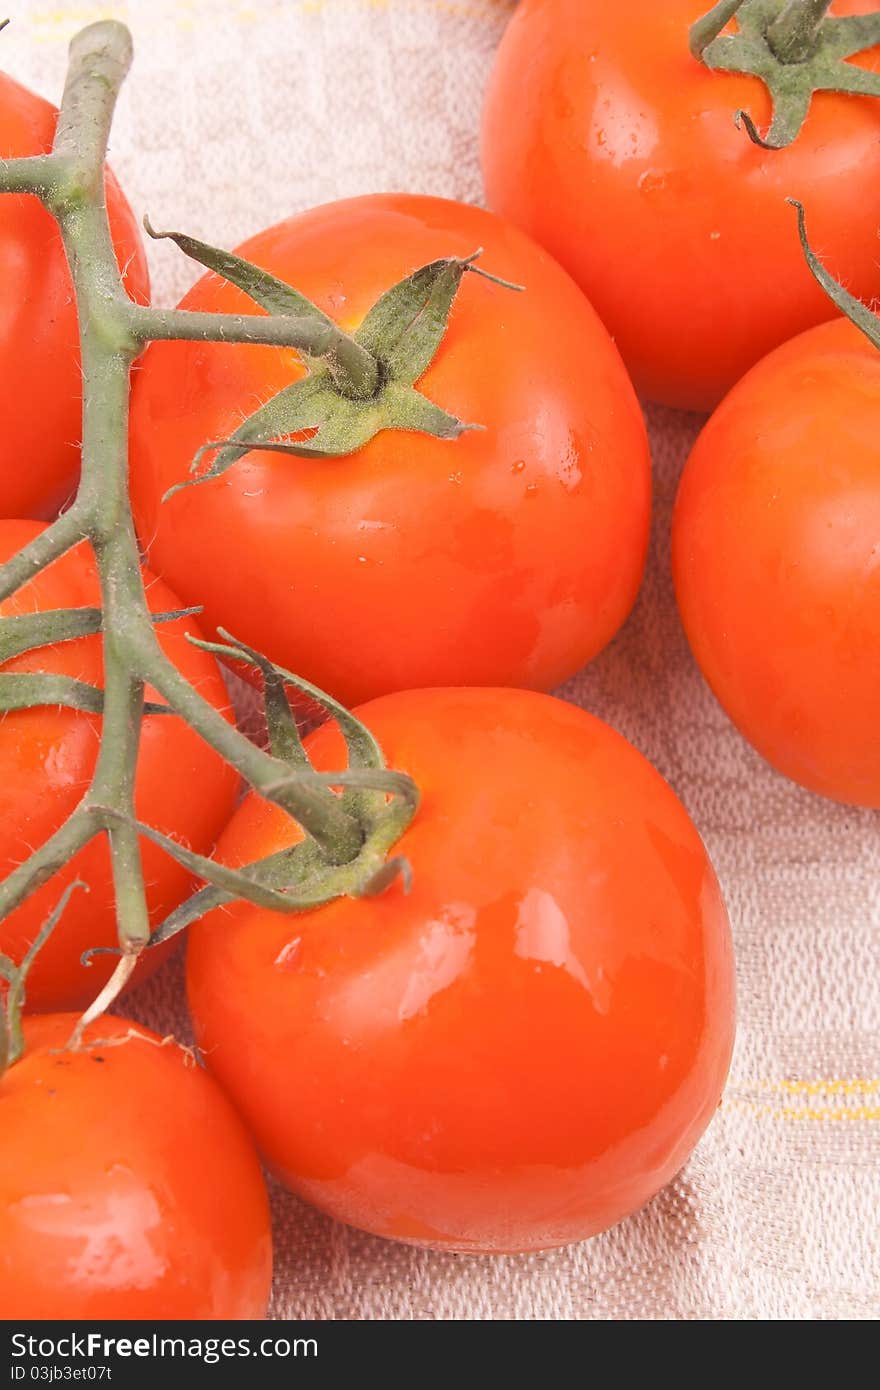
[
  {"x": 510, "y": 556},
  {"x": 776, "y": 540},
  {"x": 526, "y": 1047},
  {"x": 47, "y": 757},
  {"x": 40, "y": 382},
  {"x": 129, "y": 1188},
  {"x": 617, "y": 150}
]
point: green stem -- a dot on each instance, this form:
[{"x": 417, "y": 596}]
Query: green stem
[
  {"x": 793, "y": 36},
  {"x": 313, "y": 339},
  {"x": 858, "y": 313},
  {"x": 31, "y": 175},
  {"x": 100, "y": 57},
  {"x": 61, "y": 536},
  {"x": 355, "y": 372},
  {"x": 12, "y": 1033},
  {"x": 318, "y": 811},
  {"x": 58, "y": 850},
  {"x": 112, "y": 329},
  {"x": 114, "y": 781},
  {"x": 706, "y": 29},
  {"x": 342, "y": 845},
  {"x": 25, "y": 632}
]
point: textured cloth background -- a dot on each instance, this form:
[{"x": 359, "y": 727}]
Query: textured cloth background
[{"x": 237, "y": 114}]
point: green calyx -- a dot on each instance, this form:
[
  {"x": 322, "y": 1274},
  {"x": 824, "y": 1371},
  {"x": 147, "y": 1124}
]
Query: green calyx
[
  {"x": 357, "y": 385},
  {"x": 795, "y": 48},
  {"x": 857, "y": 312},
  {"x": 382, "y": 804}
]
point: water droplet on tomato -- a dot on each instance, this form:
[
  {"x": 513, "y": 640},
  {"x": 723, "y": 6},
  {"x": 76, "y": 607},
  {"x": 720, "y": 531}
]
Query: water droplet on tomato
[{"x": 652, "y": 181}]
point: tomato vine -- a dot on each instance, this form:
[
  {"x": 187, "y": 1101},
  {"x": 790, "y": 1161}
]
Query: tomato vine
[{"x": 351, "y": 818}]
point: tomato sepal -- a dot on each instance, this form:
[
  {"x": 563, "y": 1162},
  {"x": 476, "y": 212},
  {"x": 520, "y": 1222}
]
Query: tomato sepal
[
  {"x": 362, "y": 748},
  {"x": 795, "y": 49},
  {"x": 858, "y": 313},
  {"x": 381, "y": 802},
  {"x": 25, "y": 632},
  {"x": 289, "y": 882},
  {"x": 357, "y": 385},
  {"x": 41, "y": 688},
  {"x": 314, "y": 409},
  {"x": 15, "y": 978}
]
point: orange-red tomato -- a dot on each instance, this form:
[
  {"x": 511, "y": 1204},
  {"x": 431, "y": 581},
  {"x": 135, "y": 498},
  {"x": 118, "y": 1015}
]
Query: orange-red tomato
[
  {"x": 40, "y": 382},
  {"x": 128, "y": 1186},
  {"x": 524, "y": 1048},
  {"x": 776, "y": 551},
  {"x": 607, "y": 141},
  {"x": 47, "y": 757},
  {"x": 510, "y": 556}
]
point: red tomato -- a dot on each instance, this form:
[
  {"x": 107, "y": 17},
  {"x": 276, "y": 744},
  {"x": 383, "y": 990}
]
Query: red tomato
[
  {"x": 128, "y": 1186},
  {"x": 607, "y": 141},
  {"x": 47, "y": 757},
  {"x": 776, "y": 552},
  {"x": 526, "y": 1047},
  {"x": 510, "y": 556},
  {"x": 40, "y": 383}
]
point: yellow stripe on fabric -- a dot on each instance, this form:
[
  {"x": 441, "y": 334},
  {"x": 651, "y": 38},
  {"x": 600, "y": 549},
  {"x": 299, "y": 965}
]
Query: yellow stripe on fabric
[
  {"x": 797, "y": 1113},
  {"x": 824, "y": 1092},
  {"x": 62, "y": 20},
  {"x": 69, "y": 18},
  {"x": 489, "y": 8},
  {"x": 855, "y": 1087}
]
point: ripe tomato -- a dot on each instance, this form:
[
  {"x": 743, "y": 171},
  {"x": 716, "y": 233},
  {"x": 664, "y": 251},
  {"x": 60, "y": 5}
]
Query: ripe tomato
[
  {"x": 40, "y": 383},
  {"x": 128, "y": 1186},
  {"x": 524, "y": 1048},
  {"x": 605, "y": 139},
  {"x": 776, "y": 553},
  {"x": 47, "y": 756},
  {"x": 510, "y": 556}
]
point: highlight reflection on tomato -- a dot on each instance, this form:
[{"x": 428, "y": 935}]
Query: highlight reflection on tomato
[
  {"x": 527, "y": 1046},
  {"x": 128, "y": 1186}
]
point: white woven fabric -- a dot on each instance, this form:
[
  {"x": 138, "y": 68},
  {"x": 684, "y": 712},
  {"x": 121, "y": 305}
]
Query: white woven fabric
[{"x": 237, "y": 114}]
